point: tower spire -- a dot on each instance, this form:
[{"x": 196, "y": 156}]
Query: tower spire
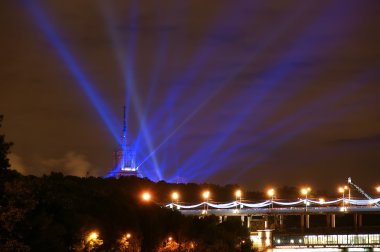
[
  {"x": 124, "y": 121},
  {"x": 125, "y": 156}
]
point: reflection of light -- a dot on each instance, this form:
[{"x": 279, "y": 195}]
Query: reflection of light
[
  {"x": 321, "y": 200},
  {"x": 291, "y": 241},
  {"x": 267, "y": 242},
  {"x": 267, "y": 234}
]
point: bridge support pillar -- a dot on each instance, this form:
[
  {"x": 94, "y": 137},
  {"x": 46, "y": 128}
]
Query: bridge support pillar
[
  {"x": 307, "y": 220},
  {"x": 281, "y": 217},
  {"x": 360, "y": 220},
  {"x": 302, "y": 221},
  {"x": 328, "y": 220},
  {"x": 333, "y": 220},
  {"x": 220, "y": 219},
  {"x": 242, "y": 220},
  {"x": 249, "y": 219}
]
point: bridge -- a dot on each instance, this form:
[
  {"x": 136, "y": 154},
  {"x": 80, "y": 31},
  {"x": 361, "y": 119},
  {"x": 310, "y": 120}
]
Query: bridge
[
  {"x": 269, "y": 222},
  {"x": 304, "y": 208}
]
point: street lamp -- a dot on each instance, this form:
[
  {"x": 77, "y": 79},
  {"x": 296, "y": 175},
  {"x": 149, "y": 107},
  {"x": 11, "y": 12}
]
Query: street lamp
[
  {"x": 92, "y": 236},
  {"x": 175, "y": 197},
  {"x": 271, "y": 193},
  {"x": 305, "y": 191},
  {"x": 378, "y": 189},
  {"x": 206, "y": 195},
  {"x": 238, "y": 194},
  {"x": 342, "y": 189},
  {"x": 93, "y": 240},
  {"x": 146, "y": 196},
  {"x": 125, "y": 242},
  {"x": 238, "y": 197}
]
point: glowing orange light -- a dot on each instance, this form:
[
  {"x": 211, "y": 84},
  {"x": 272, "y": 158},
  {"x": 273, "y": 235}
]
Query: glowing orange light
[
  {"x": 175, "y": 196},
  {"x": 92, "y": 236},
  {"x": 206, "y": 194},
  {"x": 305, "y": 191},
  {"x": 146, "y": 196},
  {"x": 270, "y": 192},
  {"x": 238, "y": 193}
]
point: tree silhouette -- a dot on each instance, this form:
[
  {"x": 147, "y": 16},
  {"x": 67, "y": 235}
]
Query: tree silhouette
[{"x": 4, "y": 151}]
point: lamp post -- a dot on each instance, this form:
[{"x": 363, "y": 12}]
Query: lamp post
[
  {"x": 175, "y": 197},
  {"x": 349, "y": 192},
  {"x": 305, "y": 191},
  {"x": 238, "y": 197},
  {"x": 342, "y": 190},
  {"x": 271, "y": 193},
  {"x": 93, "y": 241},
  {"x": 206, "y": 195}
]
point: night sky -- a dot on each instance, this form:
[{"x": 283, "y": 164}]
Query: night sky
[{"x": 258, "y": 93}]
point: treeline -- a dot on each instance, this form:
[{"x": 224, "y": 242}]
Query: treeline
[{"x": 67, "y": 213}]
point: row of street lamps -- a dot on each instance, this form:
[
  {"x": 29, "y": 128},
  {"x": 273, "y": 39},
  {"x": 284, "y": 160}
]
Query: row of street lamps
[{"x": 305, "y": 191}]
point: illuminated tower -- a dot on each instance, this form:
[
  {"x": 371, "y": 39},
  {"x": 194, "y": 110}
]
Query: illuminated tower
[{"x": 125, "y": 156}]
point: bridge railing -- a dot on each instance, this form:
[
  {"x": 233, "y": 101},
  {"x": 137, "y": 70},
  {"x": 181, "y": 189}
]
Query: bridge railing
[{"x": 269, "y": 203}]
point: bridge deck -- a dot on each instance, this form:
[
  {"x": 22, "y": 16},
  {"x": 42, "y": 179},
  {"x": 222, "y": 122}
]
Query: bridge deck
[{"x": 283, "y": 211}]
